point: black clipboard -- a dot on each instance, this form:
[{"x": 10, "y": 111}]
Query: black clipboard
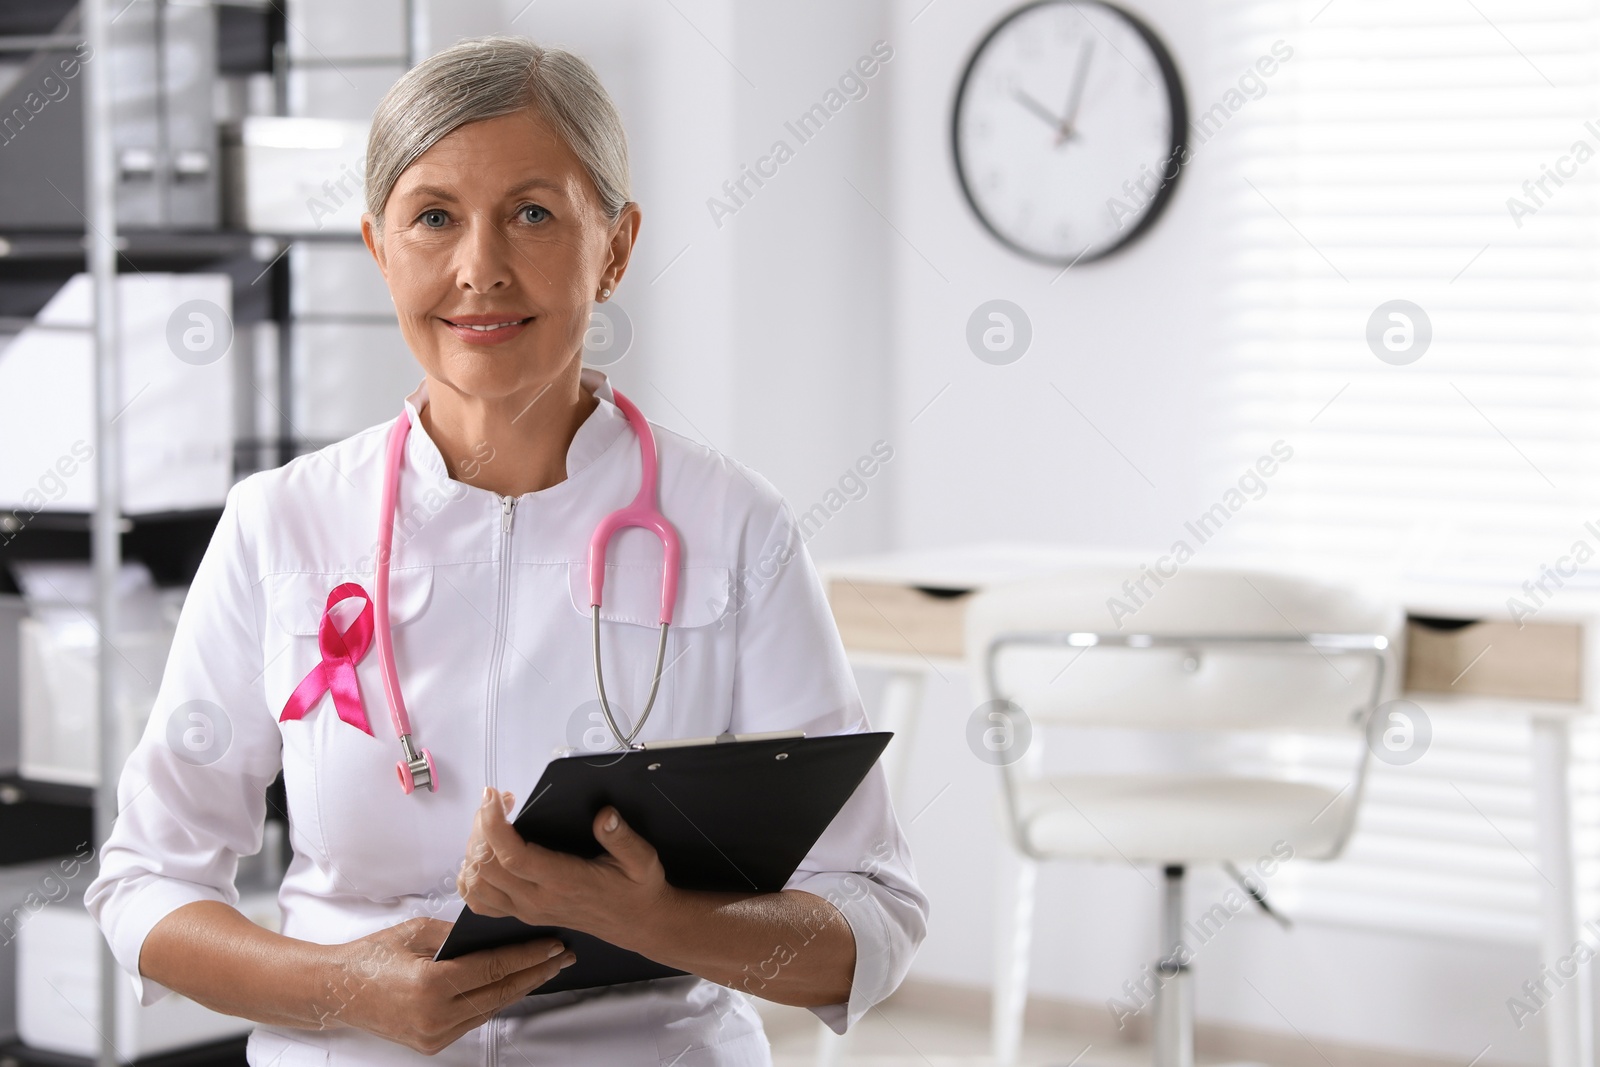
[{"x": 723, "y": 815}]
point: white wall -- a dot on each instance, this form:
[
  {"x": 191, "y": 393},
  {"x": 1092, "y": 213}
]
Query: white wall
[
  {"x": 811, "y": 318},
  {"x": 1001, "y": 453}
]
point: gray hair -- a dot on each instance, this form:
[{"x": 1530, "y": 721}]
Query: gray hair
[{"x": 484, "y": 78}]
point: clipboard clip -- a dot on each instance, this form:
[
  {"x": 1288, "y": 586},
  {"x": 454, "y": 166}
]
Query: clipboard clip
[
  {"x": 686, "y": 742},
  {"x": 723, "y": 739}
]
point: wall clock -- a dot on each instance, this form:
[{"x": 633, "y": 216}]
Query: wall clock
[{"x": 1068, "y": 130}]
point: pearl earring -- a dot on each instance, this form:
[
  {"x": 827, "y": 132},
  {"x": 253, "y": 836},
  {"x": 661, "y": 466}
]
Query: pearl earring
[{"x": 604, "y": 293}]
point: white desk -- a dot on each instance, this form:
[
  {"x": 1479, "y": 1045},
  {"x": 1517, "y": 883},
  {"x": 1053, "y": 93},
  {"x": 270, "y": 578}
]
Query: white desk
[{"x": 914, "y": 633}]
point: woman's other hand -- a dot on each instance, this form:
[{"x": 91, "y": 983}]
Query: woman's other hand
[{"x": 389, "y": 984}]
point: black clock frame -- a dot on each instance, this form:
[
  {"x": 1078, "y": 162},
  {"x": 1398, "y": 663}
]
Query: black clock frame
[{"x": 1177, "y": 106}]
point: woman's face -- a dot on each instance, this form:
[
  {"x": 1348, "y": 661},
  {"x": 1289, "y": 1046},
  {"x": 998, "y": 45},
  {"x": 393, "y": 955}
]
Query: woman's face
[{"x": 494, "y": 245}]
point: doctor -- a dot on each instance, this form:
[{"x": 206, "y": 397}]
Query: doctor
[{"x": 498, "y": 212}]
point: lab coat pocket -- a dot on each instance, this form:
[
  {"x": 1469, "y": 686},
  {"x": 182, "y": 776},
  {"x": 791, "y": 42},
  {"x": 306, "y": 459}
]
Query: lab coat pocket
[
  {"x": 336, "y": 776},
  {"x": 298, "y": 599},
  {"x": 632, "y": 594},
  {"x": 697, "y": 670}
]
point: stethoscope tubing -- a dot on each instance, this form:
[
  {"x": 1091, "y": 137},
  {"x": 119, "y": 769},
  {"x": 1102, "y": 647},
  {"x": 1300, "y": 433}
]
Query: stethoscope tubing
[
  {"x": 391, "y": 491},
  {"x": 417, "y": 769}
]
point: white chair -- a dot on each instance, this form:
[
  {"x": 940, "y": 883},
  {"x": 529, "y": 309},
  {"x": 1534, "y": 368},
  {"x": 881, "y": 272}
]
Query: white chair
[{"x": 1205, "y": 650}]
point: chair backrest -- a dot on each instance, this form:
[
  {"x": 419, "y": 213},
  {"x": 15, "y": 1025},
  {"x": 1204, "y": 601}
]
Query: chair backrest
[{"x": 1205, "y": 649}]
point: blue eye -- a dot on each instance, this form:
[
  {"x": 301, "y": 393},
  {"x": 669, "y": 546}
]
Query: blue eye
[
  {"x": 434, "y": 219},
  {"x": 537, "y": 213}
]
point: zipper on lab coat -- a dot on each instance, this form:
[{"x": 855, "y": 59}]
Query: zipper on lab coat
[
  {"x": 491, "y": 1042},
  {"x": 494, "y": 1030},
  {"x": 508, "y": 507}
]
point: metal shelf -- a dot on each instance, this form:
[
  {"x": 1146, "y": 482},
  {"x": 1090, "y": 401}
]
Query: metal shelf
[
  {"x": 230, "y": 1053},
  {"x": 43, "y": 820},
  {"x": 145, "y": 244},
  {"x": 40, "y": 42},
  {"x": 15, "y": 789},
  {"x": 80, "y": 521},
  {"x": 169, "y": 544}
]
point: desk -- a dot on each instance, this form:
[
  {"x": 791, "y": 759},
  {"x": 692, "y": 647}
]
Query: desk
[{"x": 903, "y": 612}]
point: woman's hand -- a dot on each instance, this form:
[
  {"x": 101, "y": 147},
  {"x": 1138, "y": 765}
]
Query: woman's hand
[
  {"x": 622, "y": 889},
  {"x": 388, "y": 983}
]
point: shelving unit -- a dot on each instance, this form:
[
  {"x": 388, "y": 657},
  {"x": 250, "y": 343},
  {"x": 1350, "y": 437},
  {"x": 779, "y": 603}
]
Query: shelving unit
[{"x": 40, "y": 820}]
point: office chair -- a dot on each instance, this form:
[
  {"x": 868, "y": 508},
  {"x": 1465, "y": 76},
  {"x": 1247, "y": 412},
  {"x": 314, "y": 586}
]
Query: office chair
[{"x": 1214, "y": 651}]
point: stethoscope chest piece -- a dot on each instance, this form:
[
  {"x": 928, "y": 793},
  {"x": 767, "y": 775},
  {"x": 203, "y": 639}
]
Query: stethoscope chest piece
[{"x": 416, "y": 770}]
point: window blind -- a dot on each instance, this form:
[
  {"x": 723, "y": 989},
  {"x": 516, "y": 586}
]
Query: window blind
[{"x": 1445, "y": 153}]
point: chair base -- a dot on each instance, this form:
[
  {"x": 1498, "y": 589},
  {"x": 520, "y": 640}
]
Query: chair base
[
  {"x": 1174, "y": 1036},
  {"x": 1174, "y": 976}
]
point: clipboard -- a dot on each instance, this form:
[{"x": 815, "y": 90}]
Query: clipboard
[{"x": 723, "y": 814}]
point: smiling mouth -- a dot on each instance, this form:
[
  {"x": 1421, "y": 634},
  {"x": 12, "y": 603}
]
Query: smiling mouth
[{"x": 486, "y": 327}]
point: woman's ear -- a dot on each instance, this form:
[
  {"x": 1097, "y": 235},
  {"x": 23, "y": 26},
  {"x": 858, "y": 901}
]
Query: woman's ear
[
  {"x": 624, "y": 232},
  {"x": 372, "y": 237}
]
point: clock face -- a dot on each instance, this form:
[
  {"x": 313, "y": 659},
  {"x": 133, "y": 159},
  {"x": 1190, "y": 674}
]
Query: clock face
[{"x": 1068, "y": 130}]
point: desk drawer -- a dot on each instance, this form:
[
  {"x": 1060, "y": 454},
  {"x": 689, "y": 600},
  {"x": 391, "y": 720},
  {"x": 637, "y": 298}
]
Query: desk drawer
[
  {"x": 1540, "y": 661},
  {"x": 881, "y": 617}
]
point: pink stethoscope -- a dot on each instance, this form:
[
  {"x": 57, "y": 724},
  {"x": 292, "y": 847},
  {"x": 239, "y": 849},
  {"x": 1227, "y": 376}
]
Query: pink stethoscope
[{"x": 416, "y": 768}]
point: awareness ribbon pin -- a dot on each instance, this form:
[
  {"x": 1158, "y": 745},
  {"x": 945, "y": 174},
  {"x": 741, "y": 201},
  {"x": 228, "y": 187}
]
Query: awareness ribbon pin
[{"x": 336, "y": 673}]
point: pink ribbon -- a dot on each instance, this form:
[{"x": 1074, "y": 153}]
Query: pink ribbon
[{"x": 336, "y": 673}]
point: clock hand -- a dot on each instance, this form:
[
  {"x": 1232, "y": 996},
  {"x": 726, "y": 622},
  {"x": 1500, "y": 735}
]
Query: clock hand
[
  {"x": 1037, "y": 108},
  {"x": 1066, "y": 127}
]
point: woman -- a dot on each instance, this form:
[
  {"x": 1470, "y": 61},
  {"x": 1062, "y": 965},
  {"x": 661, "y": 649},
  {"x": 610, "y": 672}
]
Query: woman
[{"x": 498, "y": 212}]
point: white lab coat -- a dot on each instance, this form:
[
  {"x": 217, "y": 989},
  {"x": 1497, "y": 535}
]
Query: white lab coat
[{"x": 490, "y": 616}]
